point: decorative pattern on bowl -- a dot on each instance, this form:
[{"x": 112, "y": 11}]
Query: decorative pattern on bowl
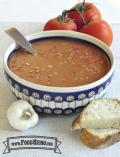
[{"x": 55, "y": 100}]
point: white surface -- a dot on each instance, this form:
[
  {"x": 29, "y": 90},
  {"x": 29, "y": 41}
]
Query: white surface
[
  {"x": 52, "y": 126},
  {"x": 42, "y": 10}
]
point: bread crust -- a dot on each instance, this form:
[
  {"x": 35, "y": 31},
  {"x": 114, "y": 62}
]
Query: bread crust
[
  {"x": 75, "y": 123},
  {"x": 94, "y": 141}
]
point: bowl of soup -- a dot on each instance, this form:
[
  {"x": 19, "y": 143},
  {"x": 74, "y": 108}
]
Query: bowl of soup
[{"x": 69, "y": 70}]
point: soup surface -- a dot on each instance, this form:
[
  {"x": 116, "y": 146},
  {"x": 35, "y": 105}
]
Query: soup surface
[{"x": 60, "y": 62}]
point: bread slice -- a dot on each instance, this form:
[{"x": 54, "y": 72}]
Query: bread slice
[
  {"x": 99, "y": 114},
  {"x": 100, "y": 138}
]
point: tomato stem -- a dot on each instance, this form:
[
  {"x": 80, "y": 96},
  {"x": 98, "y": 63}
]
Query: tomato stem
[
  {"x": 81, "y": 16},
  {"x": 80, "y": 8},
  {"x": 62, "y": 18},
  {"x": 64, "y": 15},
  {"x": 83, "y": 2}
]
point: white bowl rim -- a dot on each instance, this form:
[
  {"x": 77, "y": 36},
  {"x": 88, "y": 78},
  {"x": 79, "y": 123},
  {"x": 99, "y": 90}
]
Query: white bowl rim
[{"x": 61, "y": 33}]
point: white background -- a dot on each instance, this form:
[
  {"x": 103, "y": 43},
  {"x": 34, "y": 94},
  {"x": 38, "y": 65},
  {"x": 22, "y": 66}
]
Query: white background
[{"x": 42, "y": 10}]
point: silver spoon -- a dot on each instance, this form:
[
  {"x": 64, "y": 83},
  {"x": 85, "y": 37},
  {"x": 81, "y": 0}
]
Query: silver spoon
[{"x": 20, "y": 39}]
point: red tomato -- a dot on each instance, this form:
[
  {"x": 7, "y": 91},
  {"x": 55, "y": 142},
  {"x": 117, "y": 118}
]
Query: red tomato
[
  {"x": 99, "y": 29},
  {"x": 89, "y": 12},
  {"x": 57, "y": 24}
]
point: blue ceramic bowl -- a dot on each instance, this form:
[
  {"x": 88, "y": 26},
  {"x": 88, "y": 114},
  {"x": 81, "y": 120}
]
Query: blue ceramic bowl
[{"x": 58, "y": 100}]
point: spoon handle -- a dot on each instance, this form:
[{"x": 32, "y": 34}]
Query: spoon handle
[{"x": 20, "y": 39}]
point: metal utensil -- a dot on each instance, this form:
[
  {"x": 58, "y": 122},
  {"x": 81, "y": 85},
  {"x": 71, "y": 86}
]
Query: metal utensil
[{"x": 20, "y": 39}]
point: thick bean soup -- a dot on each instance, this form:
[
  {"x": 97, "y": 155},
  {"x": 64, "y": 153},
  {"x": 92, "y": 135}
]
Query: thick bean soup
[{"x": 60, "y": 62}]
